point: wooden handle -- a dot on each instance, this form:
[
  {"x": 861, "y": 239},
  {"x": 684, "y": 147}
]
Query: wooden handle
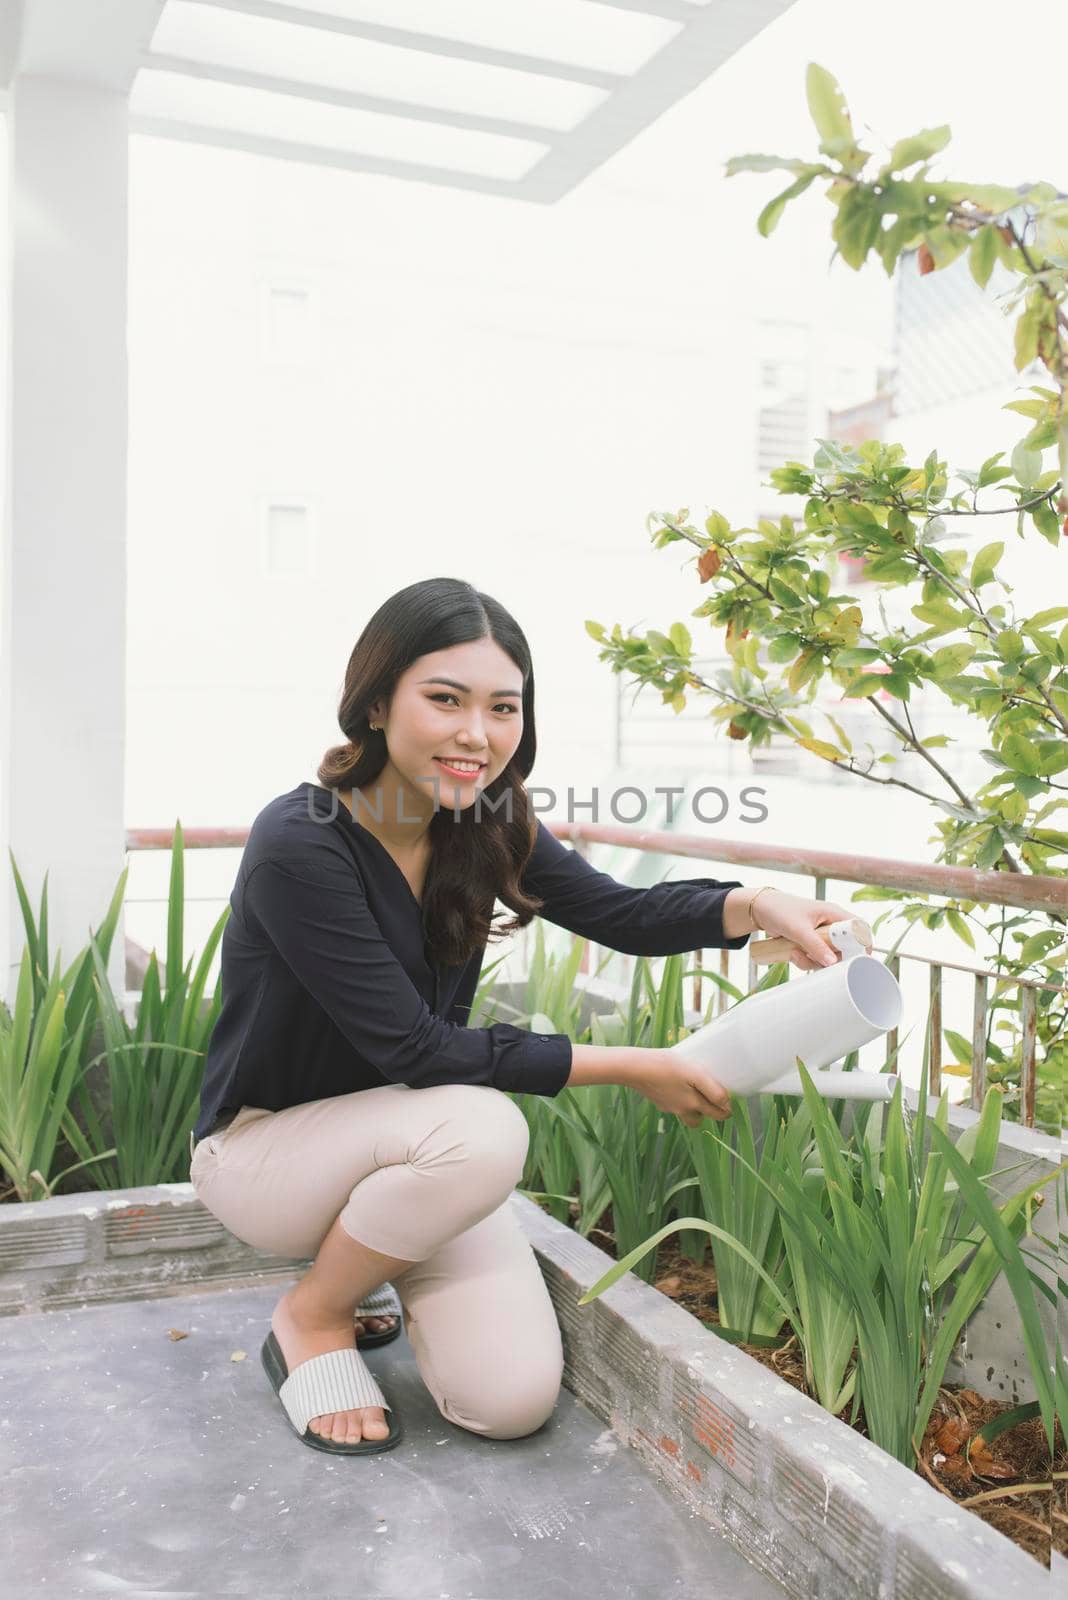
[{"x": 778, "y": 948}]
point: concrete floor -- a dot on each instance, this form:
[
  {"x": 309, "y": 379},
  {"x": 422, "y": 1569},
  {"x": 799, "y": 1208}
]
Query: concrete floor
[{"x": 137, "y": 1464}]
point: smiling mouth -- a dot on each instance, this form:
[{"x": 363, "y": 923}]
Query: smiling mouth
[{"x": 463, "y": 772}]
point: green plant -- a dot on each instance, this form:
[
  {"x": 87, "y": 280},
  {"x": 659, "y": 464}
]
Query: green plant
[
  {"x": 610, "y": 1143},
  {"x": 747, "y": 1210},
  {"x": 1000, "y": 1242},
  {"x": 787, "y": 632},
  {"x": 39, "y": 1061},
  {"x": 29, "y": 1150},
  {"x": 872, "y": 1232},
  {"x": 556, "y": 1163},
  {"x": 636, "y": 1159},
  {"x": 155, "y": 1067}
]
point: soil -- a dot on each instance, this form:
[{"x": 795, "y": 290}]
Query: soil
[{"x": 1016, "y": 1464}]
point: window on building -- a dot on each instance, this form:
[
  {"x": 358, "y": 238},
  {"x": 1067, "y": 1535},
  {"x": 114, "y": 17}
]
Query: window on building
[
  {"x": 289, "y": 332},
  {"x": 286, "y": 547}
]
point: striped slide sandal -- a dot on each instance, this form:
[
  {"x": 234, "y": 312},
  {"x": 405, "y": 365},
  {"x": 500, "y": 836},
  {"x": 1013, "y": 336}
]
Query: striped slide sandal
[
  {"x": 381, "y": 1302},
  {"x": 337, "y": 1381}
]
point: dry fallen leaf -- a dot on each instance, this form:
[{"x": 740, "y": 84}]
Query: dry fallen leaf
[
  {"x": 952, "y": 1434},
  {"x": 238, "y": 1355},
  {"x": 986, "y": 1465},
  {"x": 176, "y": 1333}
]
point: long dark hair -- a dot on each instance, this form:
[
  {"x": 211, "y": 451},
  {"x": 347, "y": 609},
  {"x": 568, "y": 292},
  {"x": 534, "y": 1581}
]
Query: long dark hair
[{"x": 476, "y": 856}]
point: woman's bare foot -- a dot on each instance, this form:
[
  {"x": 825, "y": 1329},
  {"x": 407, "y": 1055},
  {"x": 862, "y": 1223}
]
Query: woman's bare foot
[
  {"x": 300, "y": 1340},
  {"x": 374, "y": 1324}
]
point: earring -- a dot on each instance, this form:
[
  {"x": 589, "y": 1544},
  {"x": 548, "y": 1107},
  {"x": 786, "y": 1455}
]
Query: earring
[{"x": 373, "y": 726}]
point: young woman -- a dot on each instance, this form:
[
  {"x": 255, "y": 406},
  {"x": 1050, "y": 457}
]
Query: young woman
[{"x": 347, "y": 1113}]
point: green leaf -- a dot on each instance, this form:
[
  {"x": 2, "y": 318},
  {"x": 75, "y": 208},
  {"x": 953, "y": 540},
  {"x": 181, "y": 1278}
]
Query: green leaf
[
  {"x": 991, "y": 850},
  {"x": 982, "y": 255},
  {"x": 946, "y": 243},
  {"x": 1042, "y": 619},
  {"x": 1039, "y": 944},
  {"x": 1021, "y": 754},
  {"x": 782, "y": 649},
  {"x": 951, "y": 659},
  {"x": 856, "y": 657},
  {"x": 938, "y": 614},
  {"x": 738, "y": 164},
  {"x": 827, "y": 106},
  {"x": 991, "y": 196},
  {"x": 918, "y": 147},
  {"x": 1027, "y": 465},
  {"x": 1009, "y": 645},
  {"x": 768, "y": 219},
  {"x": 960, "y": 1046},
  {"x": 1045, "y": 520},
  {"x": 1025, "y": 339},
  {"x": 959, "y": 926},
  {"x": 986, "y": 561},
  {"x": 857, "y": 226},
  {"x": 785, "y": 594},
  {"x": 864, "y": 684},
  {"x": 1026, "y": 408},
  {"x": 991, "y": 472},
  {"x": 1053, "y": 754},
  {"x": 679, "y": 635}
]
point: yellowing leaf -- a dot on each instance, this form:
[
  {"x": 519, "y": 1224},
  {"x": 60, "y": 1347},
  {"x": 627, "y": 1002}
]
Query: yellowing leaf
[{"x": 821, "y": 748}]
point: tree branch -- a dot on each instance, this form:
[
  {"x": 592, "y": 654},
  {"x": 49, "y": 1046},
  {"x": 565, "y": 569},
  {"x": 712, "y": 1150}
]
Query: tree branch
[{"x": 908, "y": 738}]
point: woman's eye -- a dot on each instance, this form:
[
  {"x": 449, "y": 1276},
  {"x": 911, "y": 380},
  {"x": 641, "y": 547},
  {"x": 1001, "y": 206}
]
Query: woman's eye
[{"x": 501, "y": 705}]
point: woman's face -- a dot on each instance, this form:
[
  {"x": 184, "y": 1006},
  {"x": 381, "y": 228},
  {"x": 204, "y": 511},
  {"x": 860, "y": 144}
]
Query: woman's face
[{"x": 476, "y": 716}]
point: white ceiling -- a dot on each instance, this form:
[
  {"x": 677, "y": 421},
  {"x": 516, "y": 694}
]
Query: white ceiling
[{"x": 509, "y": 97}]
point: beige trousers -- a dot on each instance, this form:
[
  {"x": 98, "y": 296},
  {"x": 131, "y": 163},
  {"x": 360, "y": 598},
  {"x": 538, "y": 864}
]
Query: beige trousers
[{"x": 423, "y": 1174}]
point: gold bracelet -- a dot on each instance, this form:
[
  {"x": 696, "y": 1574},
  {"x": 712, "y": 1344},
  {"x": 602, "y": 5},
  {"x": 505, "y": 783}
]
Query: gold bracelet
[{"x": 752, "y": 902}]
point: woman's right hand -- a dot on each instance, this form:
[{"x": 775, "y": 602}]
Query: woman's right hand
[{"x": 684, "y": 1088}]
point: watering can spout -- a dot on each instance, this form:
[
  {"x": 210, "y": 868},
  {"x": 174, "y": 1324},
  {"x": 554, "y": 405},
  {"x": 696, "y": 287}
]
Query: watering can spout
[{"x": 839, "y": 1085}]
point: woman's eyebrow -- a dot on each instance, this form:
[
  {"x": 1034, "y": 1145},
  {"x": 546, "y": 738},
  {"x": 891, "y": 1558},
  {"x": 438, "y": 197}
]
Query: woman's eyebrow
[{"x": 452, "y": 683}]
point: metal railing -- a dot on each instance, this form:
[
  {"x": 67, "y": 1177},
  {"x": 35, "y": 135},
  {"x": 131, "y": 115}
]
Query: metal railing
[{"x": 1032, "y": 892}]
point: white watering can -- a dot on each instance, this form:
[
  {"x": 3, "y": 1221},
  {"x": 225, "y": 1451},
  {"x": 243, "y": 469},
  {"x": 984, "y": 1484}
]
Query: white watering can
[{"x": 821, "y": 1017}]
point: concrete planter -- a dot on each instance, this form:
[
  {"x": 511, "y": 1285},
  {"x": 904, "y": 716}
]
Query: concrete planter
[{"x": 802, "y": 1496}]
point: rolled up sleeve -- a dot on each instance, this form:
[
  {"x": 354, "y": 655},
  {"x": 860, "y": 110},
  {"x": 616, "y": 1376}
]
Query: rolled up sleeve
[
  {"x": 318, "y": 919},
  {"x": 662, "y": 919}
]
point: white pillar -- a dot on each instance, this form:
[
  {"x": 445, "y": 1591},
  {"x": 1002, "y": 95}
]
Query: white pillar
[{"x": 63, "y": 631}]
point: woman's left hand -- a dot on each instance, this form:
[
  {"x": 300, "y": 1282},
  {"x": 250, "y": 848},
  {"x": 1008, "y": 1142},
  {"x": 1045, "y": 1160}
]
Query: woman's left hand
[{"x": 791, "y": 916}]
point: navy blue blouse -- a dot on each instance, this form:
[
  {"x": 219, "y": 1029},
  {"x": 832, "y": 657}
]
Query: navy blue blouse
[{"x": 327, "y": 984}]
